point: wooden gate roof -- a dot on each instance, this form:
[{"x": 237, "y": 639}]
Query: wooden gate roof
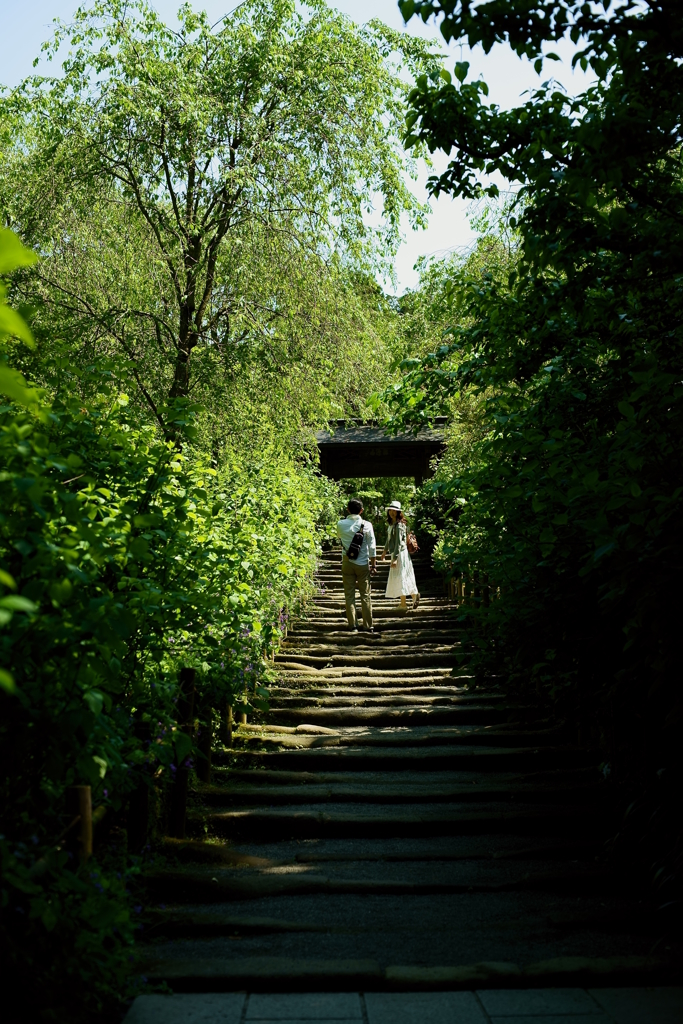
[{"x": 350, "y": 449}]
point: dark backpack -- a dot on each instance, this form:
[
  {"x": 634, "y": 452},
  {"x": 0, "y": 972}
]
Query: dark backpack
[{"x": 356, "y": 543}]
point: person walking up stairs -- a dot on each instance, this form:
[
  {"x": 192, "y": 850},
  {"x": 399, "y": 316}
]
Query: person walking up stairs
[{"x": 359, "y": 562}]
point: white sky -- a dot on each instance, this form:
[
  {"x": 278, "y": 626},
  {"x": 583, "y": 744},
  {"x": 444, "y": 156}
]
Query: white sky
[{"x": 26, "y": 26}]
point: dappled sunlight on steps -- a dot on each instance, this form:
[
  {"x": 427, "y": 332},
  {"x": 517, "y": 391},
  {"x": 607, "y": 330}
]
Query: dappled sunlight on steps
[{"x": 385, "y": 811}]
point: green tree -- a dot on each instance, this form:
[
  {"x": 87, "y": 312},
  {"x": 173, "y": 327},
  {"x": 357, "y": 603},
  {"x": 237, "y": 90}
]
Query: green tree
[
  {"x": 572, "y": 503},
  {"x": 265, "y": 134},
  {"x": 124, "y": 556}
]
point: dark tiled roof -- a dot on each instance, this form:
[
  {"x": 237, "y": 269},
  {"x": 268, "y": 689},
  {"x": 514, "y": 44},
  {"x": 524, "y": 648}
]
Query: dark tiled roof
[{"x": 360, "y": 434}]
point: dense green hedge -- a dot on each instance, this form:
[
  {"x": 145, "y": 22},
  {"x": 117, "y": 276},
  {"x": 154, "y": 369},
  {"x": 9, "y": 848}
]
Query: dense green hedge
[
  {"x": 570, "y": 499},
  {"x": 124, "y": 556}
]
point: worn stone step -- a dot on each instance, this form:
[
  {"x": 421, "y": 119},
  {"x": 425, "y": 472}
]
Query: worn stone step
[
  {"x": 408, "y": 715},
  {"x": 225, "y": 885},
  {"x": 428, "y": 604},
  {"x": 288, "y": 700},
  {"x": 425, "y": 691},
  {"x": 305, "y": 737},
  {"x": 370, "y": 660},
  {"x": 380, "y": 638},
  {"x": 332, "y": 603},
  {"x": 369, "y": 821},
  {"x": 291, "y": 974},
  {"x": 418, "y": 758},
  {"x": 262, "y": 974},
  {"x": 364, "y": 792},
  {"x": 364, "y": 644},
  {"x": 177, "y": 923},
  {"x": 566, "y": 777},
  {"x": 398, "y": 625},
  {"x": 406, "y": 627},
  {"x": 331, "y": 621},
  {"x": 374, "y": 677}
]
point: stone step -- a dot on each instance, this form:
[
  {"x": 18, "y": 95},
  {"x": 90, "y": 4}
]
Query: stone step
[
  {"x": 333, "y": 601},
  {"x": 444, "y": 659},
  {"x": 428, "y": 730},
  {"x": 380, "y": 638},
  {"x": 256, "y": 793},
  {"x": 368, "y": 673},
  {"x": 405, "y": 625},
  {"x": 365, "y": 646},
  {"x": 334, "y": 606},
  {"x": 343, "y": 821},
  {"x": 425, "y": 691},
  {"x": 411, "y": 715},
  {"x": 454, "y": 757},
  {"x": 568, "y": 777},
  {"x": 430, "y": 601},
  {"x": 366, "y": 642},
  {"x": 277, "y": 974},
  {"x": 176, "y": 923},
  {"x": 398, "y": 624},
  {"x": 291, "y": 699}
]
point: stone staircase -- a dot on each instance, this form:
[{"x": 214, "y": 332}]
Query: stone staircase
[{"x": 387, "y": 824}]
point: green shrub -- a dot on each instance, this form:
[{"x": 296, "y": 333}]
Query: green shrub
[{"x": 124, "y": 556}]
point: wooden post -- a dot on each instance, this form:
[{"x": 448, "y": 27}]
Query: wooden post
[
  {"x": 226, "y": 726},
  {"x": 178, "y": 796},
  {"x": 79, "y": 805}
]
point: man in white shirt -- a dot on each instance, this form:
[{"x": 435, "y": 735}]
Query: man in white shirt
[{"x": 357, "y": 570}]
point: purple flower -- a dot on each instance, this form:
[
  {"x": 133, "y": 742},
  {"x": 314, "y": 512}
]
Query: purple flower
[
  {"x": 137, "y": 909},
  {"x": 106, "y": 793}
]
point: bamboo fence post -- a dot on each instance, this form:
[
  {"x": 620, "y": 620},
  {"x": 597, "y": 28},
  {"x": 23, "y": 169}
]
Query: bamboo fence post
[
  {"x": 178, "y": 796},
  {"x": 79, "y": 804}
]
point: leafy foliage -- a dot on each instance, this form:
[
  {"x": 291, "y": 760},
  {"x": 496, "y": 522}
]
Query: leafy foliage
[
  {"x": 124, "y": 556},
  {"x": 572, "y": 501},
  {"x": 208, "y": 188}
]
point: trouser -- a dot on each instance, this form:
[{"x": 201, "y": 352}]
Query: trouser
[{"x": 352, "y": 574}]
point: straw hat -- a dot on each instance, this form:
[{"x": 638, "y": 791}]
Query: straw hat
[{"x": 396, "y": 505}]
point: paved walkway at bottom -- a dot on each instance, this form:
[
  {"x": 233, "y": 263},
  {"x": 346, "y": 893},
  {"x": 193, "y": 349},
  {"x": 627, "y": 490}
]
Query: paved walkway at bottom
[{"x": 488, "y": 1006}]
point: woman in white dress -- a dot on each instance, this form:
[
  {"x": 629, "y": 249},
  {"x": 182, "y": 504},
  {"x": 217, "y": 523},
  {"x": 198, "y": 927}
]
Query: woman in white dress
[{"x": 401, "y": 574}]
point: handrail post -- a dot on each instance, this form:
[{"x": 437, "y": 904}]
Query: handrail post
[{"x": 79, "y": 805}]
